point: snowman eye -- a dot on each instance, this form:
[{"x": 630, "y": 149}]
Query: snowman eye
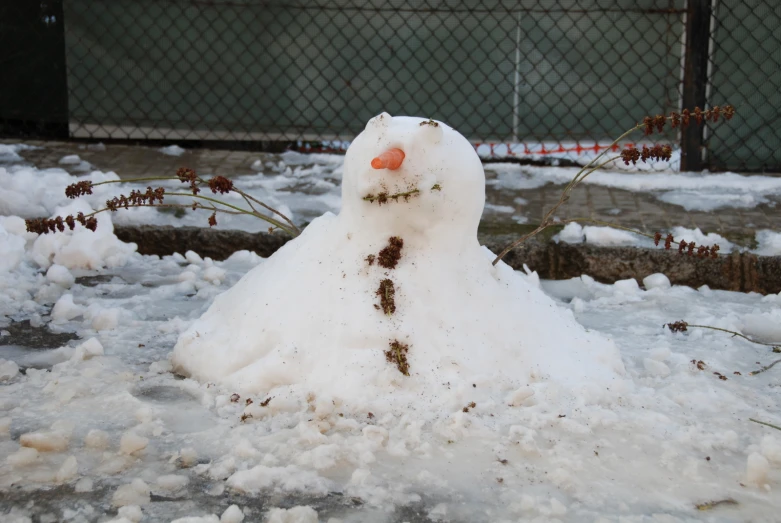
[{"x": 431, "y": 131}]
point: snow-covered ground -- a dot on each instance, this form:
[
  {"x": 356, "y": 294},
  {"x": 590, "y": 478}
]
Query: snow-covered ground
[
  {"x": 95, "y": 426},
  {"x": 104, "y": 416}
]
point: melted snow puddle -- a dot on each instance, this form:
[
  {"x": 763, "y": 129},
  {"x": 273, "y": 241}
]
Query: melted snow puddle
[{"x": 119, "y": 429}]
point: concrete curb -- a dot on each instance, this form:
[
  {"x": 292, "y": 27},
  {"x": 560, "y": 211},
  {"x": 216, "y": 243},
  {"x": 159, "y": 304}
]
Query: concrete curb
[{"x": 743, "y": 272}]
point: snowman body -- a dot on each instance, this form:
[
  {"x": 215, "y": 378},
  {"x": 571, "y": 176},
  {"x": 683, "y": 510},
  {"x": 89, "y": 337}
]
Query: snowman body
[{"x": 319, "y": 314}]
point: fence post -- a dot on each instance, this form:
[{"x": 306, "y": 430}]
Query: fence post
[
  {"x": 695, "y": 79},
  {"x": 34, "y": 94}
]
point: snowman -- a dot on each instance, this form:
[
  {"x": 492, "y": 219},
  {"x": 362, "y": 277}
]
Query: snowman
[{"x": 394, "y": 296}]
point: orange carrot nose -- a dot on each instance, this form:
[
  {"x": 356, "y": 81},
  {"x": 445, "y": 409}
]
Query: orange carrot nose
[{"x": 390, "y": 159}]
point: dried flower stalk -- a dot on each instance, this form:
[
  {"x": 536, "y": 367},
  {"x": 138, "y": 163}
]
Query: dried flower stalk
[
  {"x": 155, "y": 198},
  {"x": 649, "y": 124},
  {"x": 682, "y": 326}
]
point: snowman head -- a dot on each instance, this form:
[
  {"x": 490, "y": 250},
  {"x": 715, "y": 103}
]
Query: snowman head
[{"x": 413, "y": 172}]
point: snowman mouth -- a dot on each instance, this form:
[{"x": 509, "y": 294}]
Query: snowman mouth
[{"x": 386, "y": 197}]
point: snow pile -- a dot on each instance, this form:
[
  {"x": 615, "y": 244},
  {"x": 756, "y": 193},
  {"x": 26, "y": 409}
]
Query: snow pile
[
  {"x": 769, "y": 243},
  {"x": 603, "y": 236},
  {"x": 71, "y": 159},
  {"x": 12, "y": 242},
  {"x": 37, "y": 269},
  {"x": 172, "y": 150},
  {"x": 763, "y": 326},
  {"x": 81, "y": 248},
  {"x": 611, "y": 237},
  {"x": 397, "y": 299},
  {"x": 32, "y": 193}
]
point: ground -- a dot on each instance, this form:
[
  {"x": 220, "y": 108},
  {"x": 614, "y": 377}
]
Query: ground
[{"x": 89, "y": 405}]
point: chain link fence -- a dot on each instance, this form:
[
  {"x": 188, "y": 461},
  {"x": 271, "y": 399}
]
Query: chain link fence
[{"x": 524, "y": 78}]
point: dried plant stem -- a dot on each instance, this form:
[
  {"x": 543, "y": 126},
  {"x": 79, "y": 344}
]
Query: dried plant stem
[
  {"x": 581, "y": 175},
  {"x": 133, "y": 180},
  {"x": 290, "y": 228},
  {"x": 547, "y": 220},
  {"x": 734, "y": 334},
  {"x": 239, "y": 210},
  {"x": 578, "y": 178},
  {"x": 764, "y": 423},
  {"x": 170, "y": 206},
  {"x": 235, "y": 210},
  {"x": 763, "y": 369},
  {"x": 248, "y": 197}
]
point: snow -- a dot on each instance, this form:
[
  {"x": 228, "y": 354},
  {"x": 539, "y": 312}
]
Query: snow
[
  {"x": 651, "y": 450},
  {"x": 72, "y": 159},
  {"x": 104, "y": 319},
  {"x": 301, "y": 514},
  {"x": 132, "y": 443},
  {"x": 757, "y": 469},
  {"x": 131, "y": 512},
  {"x": 603, "y": 236},
  {"x": 574, "y": 232},
  {"x": 172, "y": 150},
  {"x": 134, "y": 493},
  {"x": 82, "y": 248},
  {"x": 22, "y": 457},
  {"x": 771, "y": 449},
  {"x": 172, "y": 482},
  {"x": 60, "y": 275},
  {"x": 75, "y": 163},
  {"x": 664, "y": 426},
  {"x": 87, "y": 350},
  {"x": 96, "y": 439},
  {"x": 656, "y": 281},
  {"x": 764, "y": 326},
  {"x": 68, "y": 470},
  {"x": 8, "y": 370},
  {"x": 232, "y": 514},
  {"x": 45, "y": 441},
  {"x": 769, "y": 243},
  {"x": 10, "y": 152},
  {"x": 11, "y": 249}
]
